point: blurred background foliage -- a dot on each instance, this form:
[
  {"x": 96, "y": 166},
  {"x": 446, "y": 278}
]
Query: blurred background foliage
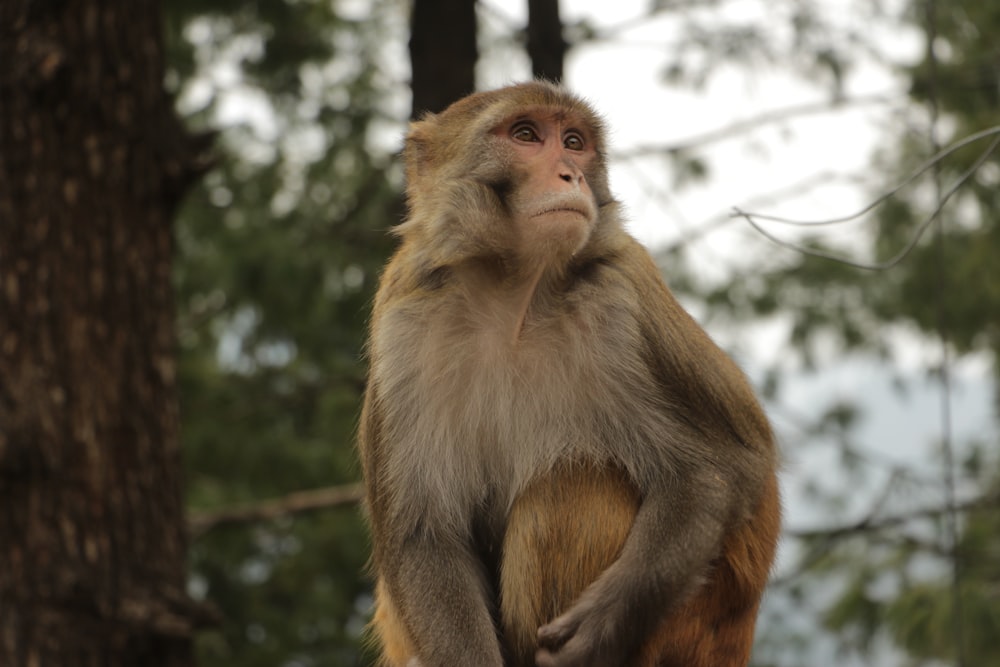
[{"x": 279, "y": 250}]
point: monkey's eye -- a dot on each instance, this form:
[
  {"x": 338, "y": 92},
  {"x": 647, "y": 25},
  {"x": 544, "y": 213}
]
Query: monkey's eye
[
  {"x": 573, "y": 142},
  {"x": 524, "y": 133}
]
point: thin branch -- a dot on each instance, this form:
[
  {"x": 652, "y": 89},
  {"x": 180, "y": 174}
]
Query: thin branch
[
  {"x": 753, "y": 218},
  {"x": 871, "y": 524},
  {"x": 300, "y": 502},
  {"x": 790, "y": 191}
]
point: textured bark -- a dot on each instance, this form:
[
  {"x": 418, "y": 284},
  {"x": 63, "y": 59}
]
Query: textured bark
[
  {"x": 92, "y": 163},
  {"x": 443, "y": 53},
  {"x": 546, "y": 46}
]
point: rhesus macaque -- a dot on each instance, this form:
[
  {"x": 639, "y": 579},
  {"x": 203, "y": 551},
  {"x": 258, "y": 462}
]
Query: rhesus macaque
[{"x": 562, "y": 468}]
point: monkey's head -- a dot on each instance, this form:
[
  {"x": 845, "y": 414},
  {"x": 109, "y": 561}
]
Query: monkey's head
[{"x": 517, "y": 174}]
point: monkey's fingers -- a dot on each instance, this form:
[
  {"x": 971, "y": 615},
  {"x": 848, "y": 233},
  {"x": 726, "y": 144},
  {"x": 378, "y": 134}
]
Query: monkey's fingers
[
  {"x": 561, "y": 643},
  {"x": 553, "y": 635}
]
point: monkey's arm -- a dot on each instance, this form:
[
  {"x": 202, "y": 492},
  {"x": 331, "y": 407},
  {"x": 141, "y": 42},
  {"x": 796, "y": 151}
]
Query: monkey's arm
[
  {"x": 664, "y": 560},
  {"x": 441, "y": 597},
  {"x": 432, "y": 577},
  {"x": 712, "y": 462}
]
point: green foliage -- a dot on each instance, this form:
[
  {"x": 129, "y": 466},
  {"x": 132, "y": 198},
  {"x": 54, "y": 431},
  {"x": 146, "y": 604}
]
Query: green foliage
[
  {"x": 278, "y": 254},
  {"x": 954, "y": 283},
  {"x": 803, "y": 35},
  {"x": 922, "y": 618},
  {"x": 964, "y": 80},
  {"x": 950, "y": 281},
  {"x": 824, "y": 300},
  {"x": 895, "y": 583}
]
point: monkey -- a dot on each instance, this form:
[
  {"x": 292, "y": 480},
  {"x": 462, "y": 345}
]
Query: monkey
[{"x": 562, "y": 469}]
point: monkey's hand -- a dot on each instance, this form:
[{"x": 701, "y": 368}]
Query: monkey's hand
[
  {"x": 560, "y": 645},
  {"x": 662, "y": 563},
  {"x": 586, "y": 636}
]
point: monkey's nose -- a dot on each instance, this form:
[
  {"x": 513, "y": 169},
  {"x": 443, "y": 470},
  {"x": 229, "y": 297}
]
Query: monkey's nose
[{"x": 570, "y": 173}]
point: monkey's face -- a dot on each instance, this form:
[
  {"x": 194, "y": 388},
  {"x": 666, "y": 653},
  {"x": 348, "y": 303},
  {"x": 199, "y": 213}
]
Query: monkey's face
[
  {"x": 516, "y": 174},
  {"x": 552, "y": 207}
]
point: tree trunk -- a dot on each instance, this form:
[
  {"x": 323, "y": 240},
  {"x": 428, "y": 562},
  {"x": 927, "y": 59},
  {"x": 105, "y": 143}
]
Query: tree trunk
[
  {"x": 92, "y": 164},
  {"x": 546, "y": 46},
  {"x": 443, "y": 53}
]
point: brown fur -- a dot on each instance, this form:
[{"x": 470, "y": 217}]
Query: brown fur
[
  {"x": 716, "y": 627},
  {"x": 561, "y": 466},
  {"x": 563, "y": 531}
]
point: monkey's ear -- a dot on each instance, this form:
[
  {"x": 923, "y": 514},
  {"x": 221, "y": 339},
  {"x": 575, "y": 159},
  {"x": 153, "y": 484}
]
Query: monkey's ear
[{"x": 417, "y": 158}]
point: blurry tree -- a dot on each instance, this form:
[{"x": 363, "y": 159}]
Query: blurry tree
[
  {"x": 93, "y": 163},
  {"x": 544, "y": 42},
  {"x": 898, "y": 578},
  {"x": 442, "y": 62},
  {"x": 278, "y": 253},
  {"x": 948, "y": 286}
]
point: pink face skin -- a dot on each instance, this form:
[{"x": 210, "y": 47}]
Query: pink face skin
[{"x": 553, "y": 205}]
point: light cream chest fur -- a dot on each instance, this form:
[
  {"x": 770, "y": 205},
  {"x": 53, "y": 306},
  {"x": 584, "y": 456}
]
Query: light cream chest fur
[{"x": 470, "y": 410}]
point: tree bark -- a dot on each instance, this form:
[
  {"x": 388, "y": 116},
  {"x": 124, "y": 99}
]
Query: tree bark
[
  {"x": 546, "y": 46},
  {"x": 92, "y": 164},
  {"x": 443, "y": 53}
]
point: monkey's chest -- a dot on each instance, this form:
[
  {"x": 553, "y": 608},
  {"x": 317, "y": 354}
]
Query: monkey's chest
[
  {"x": 474, "y": 409},
  {"x": 549, "y": 395}
]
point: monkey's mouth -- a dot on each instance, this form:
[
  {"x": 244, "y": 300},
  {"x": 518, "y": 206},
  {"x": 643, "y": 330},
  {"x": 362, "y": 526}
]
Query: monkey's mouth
[{"x": 562, "y": 209}]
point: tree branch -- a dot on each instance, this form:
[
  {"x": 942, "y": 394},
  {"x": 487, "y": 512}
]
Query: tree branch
[
  {"x": 303, "y": 502},
  {"x": 869, "y": 523},
  {"x": 300, "y": 502},
  {"x": 797, "y": 189}
]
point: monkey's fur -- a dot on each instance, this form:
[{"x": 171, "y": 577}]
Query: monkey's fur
[{"x": 562, "y": 468}]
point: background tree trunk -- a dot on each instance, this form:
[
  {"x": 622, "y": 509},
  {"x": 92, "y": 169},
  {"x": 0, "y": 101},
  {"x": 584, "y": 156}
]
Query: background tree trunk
[
  {"x": 92, "y": 164},
  {"x": 443, "y": 53},
  {"x": 546, "y": 46}
]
